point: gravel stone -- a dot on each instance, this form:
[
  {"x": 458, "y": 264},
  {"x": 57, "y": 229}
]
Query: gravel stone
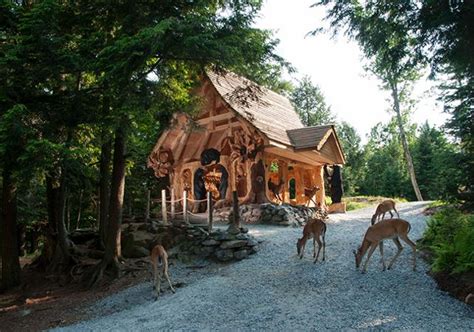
[{"x": 275, "y": 291}]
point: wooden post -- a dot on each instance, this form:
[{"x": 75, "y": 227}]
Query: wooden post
[
  {"x": 234, "y": 227},
  {"x": 172, "y": 204},
  {"x": 147, "y": 211},
  {"x": 185, "y": 206},
  {"x": 209, "y": 211},
  {"x": 163, "y": 206}
]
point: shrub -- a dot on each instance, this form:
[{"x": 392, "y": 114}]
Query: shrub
[{"x": 450, "y": 236}]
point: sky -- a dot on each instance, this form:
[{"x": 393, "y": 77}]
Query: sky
[{"x": 336, "y": 66}]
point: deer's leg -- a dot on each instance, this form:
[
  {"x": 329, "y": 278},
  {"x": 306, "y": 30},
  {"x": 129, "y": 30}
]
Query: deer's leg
[
  {"x": 413, "y": 247},
  {"x": 373, "y": 246},
  {"x": 165, "y": 272},
  {"x": 381, "y": 255},
  {"x": 398, "y": 216},
  {"x": 324, "y": 247},
  {"x": 155, "y": 271},
  {"x": 400, "y": 248},
  {"x": 319, "y": 248},
  {"x": 302, "y": 250},
  {"x": 383, "y": 216},
  {"x": 391, "y": 214},
  {"x": 314, "y": 246}
]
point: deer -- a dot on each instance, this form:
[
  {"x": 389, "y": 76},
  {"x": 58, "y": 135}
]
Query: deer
[
  {"x": 309, "y": 193},
  {"x": 374, "y": 236},
  {"x": 316, "y": 229},
  {"x": 276, "y": 188},
  {"x": 159, "y": 262},
  {"x": 384, "y": 207}
]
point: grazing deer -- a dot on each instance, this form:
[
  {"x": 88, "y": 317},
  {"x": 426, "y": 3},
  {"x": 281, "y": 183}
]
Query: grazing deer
[
  {"x": 309, "y": 193},
  {"x": 386, "y": 229},
  {"x": 159, "y": 259},
  {"x": 276, "y": 188},
  {"x": 316, "y": 229},
  {"x": 384, "y": 207}
]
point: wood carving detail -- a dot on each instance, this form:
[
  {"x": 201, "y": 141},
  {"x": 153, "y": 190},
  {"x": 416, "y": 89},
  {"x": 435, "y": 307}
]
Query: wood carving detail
[{"x": 161, "y": 162}]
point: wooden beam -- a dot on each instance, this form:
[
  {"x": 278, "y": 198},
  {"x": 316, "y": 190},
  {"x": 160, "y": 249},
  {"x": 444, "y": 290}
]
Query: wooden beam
[
  {"x": 225, "y": 126},
  {"x": 296, "y": 156},
  {"x": 181, "y": 146},
  {"x": 215, "y": 118}
]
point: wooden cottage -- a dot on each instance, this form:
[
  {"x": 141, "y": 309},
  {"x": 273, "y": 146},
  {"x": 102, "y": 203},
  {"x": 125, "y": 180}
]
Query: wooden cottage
[{"x": 248, "y": 139}]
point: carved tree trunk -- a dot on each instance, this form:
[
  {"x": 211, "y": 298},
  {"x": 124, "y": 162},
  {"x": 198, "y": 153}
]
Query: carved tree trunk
[
  {"x": 8, "y": 244},
  {"x": 403, "y": 138}
]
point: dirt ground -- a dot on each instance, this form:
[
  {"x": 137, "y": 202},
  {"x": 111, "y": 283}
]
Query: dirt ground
[{"x": 42, "y": 303}]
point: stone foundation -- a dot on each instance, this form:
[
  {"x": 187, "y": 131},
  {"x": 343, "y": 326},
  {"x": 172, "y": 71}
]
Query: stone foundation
[
  {"x": 184, "y": 241},
  {"x": 272, "y": 214}
]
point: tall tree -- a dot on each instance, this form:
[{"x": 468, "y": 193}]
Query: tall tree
[
  {"x": 310, "y": 104},
  {"x": 446, "y": 30},
  {"x": 385, "y": 36}
]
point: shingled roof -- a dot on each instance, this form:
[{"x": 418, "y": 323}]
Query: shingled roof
[
  {"x": 268, "y": 111},
  {"x": 309, "y": 137}
]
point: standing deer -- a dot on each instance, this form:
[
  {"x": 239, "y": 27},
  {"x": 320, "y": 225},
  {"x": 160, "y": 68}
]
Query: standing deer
[
  {"x": 276, "y": 188},
  {"x": 159, "y": 262},
  {"x": 386, "y": 229},
  {"x": 384, "y": 207},
  {"x": 309, "y": 193},
  {"x": 316, "y": 229}
]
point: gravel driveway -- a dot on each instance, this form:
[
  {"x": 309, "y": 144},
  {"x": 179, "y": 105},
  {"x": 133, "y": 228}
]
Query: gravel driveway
[{"x": 273, "y": 290}]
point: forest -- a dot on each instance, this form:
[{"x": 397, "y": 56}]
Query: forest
[{"x": 86, "y": 88}]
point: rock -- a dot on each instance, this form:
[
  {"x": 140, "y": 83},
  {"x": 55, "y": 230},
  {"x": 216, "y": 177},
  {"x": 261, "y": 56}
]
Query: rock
[
  {"x": 205, "y": 251},
  {"x": 224, "y": 255},
  {"x": 242, "y": 237},
  {"x": 277, "y": 219},
  {"x": 244, "y": 230},
  {"x": 210, "y": 242},
  {"x": 241, "y": 254},
  {"x": 253, "y": 250},
  {"x": 135, "y": 252},
  {"x": 233, "y": 244},
  {"x": 224, "y": 236},
  {"x": 252, "y": 242}
]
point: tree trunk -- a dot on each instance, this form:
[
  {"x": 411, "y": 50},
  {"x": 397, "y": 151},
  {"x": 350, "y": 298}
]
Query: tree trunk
[
  {"x": 9, "y": 239},
  {"x": 409, "y": 161},
  {"x": 59, "y": 257},
  {"x": 104, "y": 189},
  {"x": 112, "y": 245},
  {"x": 79, "y": 209}
]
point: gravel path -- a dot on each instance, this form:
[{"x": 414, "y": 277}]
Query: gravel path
[{"x": 273, "y": 290}]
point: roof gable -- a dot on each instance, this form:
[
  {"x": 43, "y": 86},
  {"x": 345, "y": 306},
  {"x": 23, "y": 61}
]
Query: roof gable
[{"x": 266, "y": 110}]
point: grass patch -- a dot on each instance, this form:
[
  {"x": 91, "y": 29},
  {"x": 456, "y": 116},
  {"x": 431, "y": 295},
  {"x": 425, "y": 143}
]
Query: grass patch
[{"x": 360, "y": 202}]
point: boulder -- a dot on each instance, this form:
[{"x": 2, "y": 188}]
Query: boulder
[
  {"x": 241, "y": 254},
  {"x": 233, "y": 244},
  {"x": 224, "y": 254},
  {"x": 210, "y": 242}
]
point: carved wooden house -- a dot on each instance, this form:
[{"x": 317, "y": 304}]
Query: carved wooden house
[{"x": 248, "y": 139}]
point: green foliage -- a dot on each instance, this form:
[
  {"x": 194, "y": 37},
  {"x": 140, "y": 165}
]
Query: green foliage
[
  {"x": 354, "y": 167},
  {"x": 310, "y": 104},
  {"x": 450, "y": 235},
  {"x": 437, "y": 164}
]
